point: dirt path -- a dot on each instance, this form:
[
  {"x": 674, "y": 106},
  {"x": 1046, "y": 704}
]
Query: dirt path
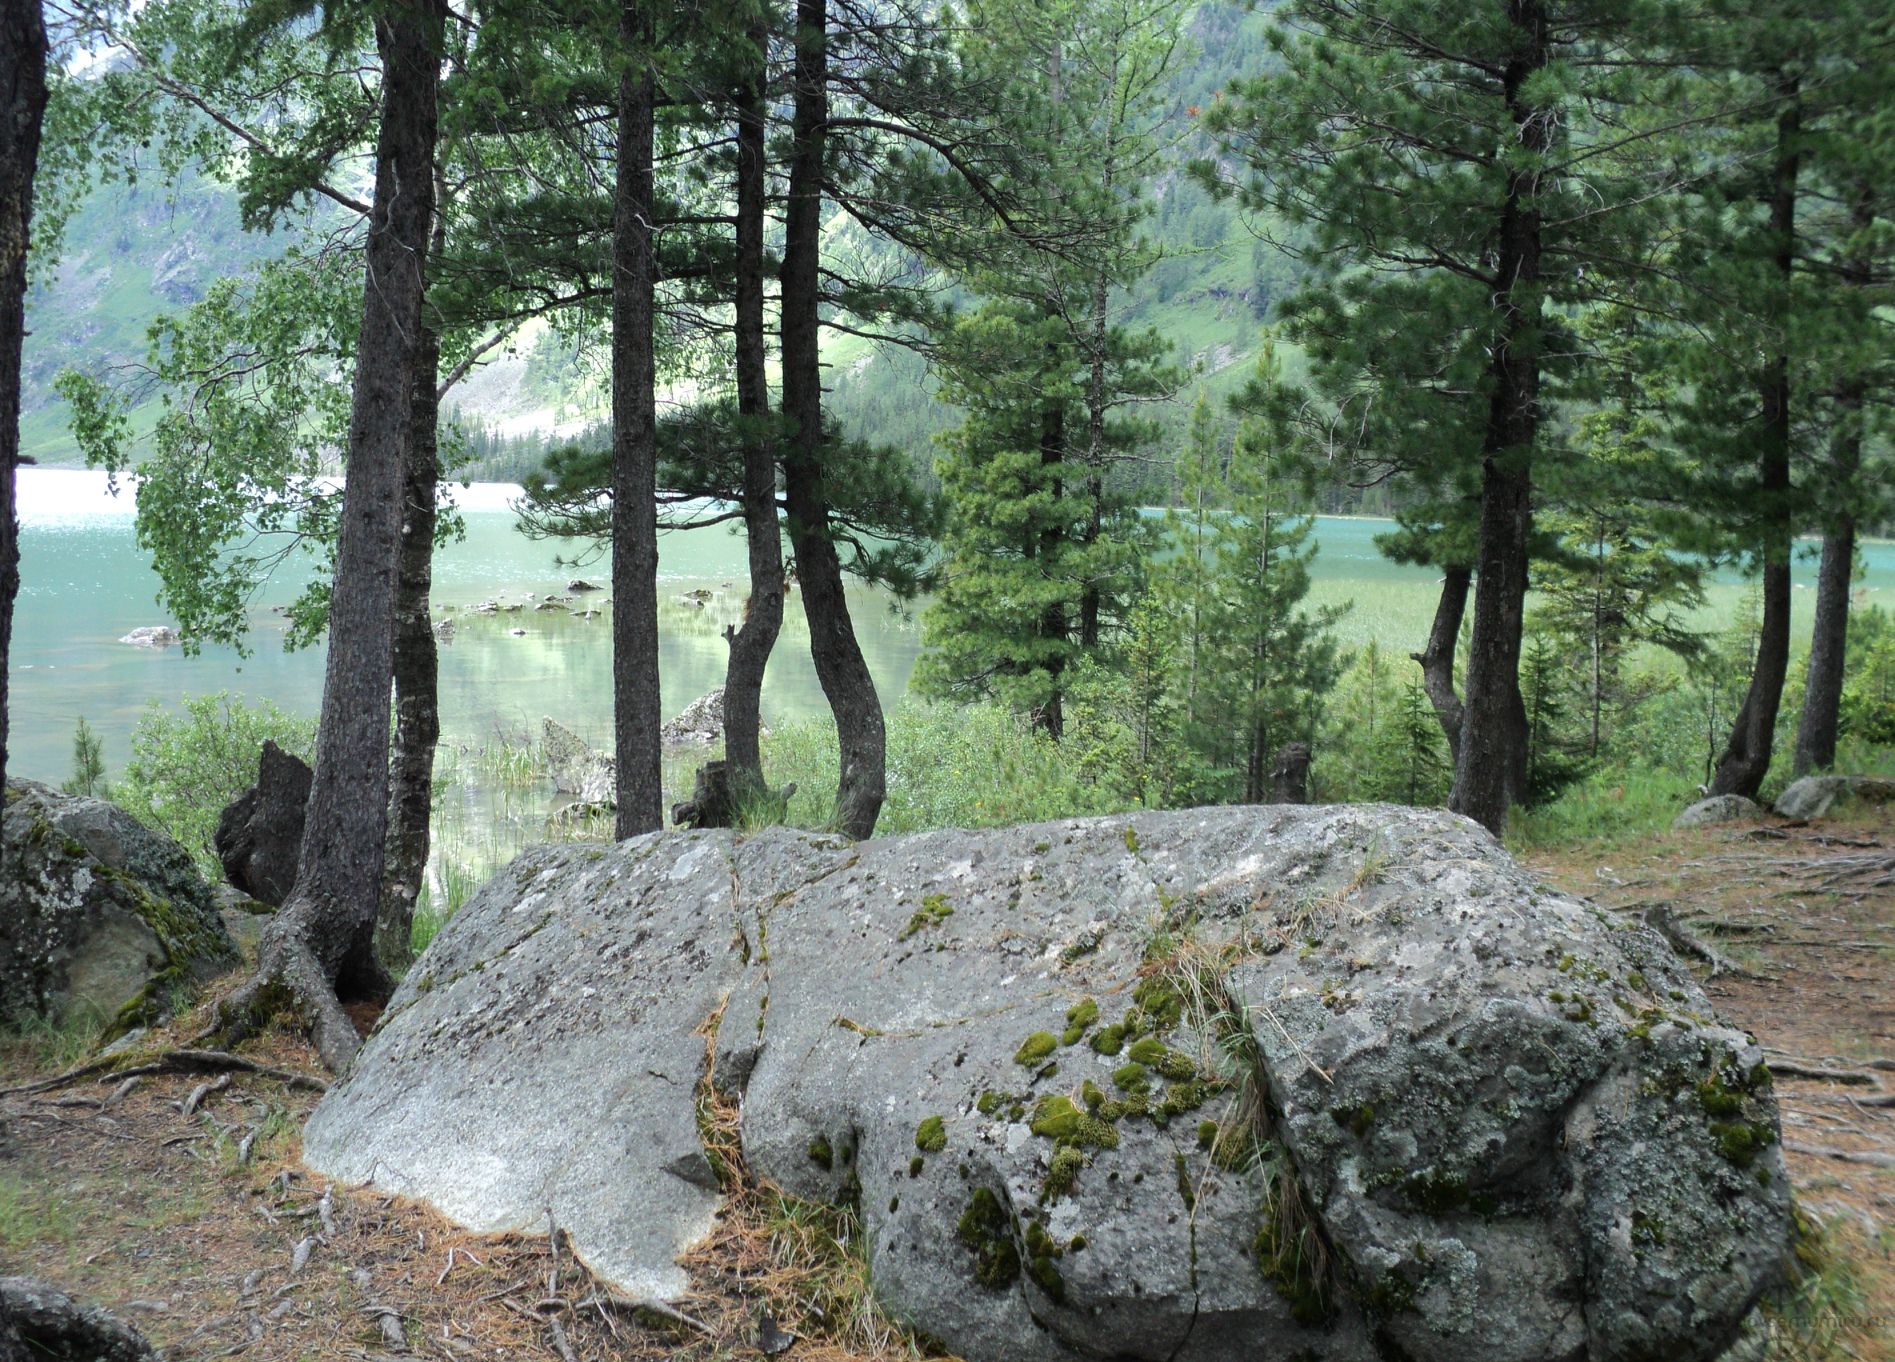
[
  {"x": 200, "y": 1226},
  {"x": 1805, "y": 917}
]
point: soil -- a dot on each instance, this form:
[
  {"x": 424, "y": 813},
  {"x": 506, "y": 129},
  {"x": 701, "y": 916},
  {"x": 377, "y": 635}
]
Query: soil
[{"x": 201, "y": 1227}]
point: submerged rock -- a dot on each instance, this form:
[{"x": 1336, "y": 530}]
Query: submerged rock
[
  {"x": 98, "y": 913},
  {"x": 1326, "y": 1083},
  {"x": 1816, "y": 796},
  {"x": 151, "y": 636}
]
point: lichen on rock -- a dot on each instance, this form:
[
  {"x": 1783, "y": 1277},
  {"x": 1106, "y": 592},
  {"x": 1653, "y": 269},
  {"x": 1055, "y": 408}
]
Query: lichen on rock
[
  {"x": 100, "y": 916},
  {"x": 1329, "y": 1083}
]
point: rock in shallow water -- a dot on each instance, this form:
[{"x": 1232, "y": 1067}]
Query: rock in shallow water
[{"x": 1319, "y": 1082}]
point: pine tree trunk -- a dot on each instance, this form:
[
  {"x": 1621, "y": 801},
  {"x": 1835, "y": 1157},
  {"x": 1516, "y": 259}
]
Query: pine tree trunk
[
  {"x": 636, "y": 710},
  {"x": 1090, "y": 596},
  {"x": 1746, "y": 757},
  {"x": 752, "y": 642},
  {"x": 1822, "y": 693},
  {"x": 417, "y": 666},
  {"x": 1828, "y": 650},
  {"x": 1437, "y": 658},
  {"x": 320, "y": 947},
  {"x": 1050, "y": 718},
  {"x": 1490, "y": 770},
  {"x": 840, "y": 667},
  {"x": 22, "y": 108}
]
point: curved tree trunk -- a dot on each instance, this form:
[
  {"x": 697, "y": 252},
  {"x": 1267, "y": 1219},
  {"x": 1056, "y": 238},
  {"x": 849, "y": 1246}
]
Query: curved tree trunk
[
  {"x": 840, "y": 667},
  {"x": 636, "y": 711},
  {"x": 319, "y": 949},
  {"x": 417, "y": 667},
  {"x": 752, "y": 642},
  {"x": 22, "y": 108},
  {"x": 1746, "y": 757},
  {"x": 1437, "y": 658}
]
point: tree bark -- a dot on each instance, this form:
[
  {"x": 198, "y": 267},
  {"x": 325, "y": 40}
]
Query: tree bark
[
  {"x": 417, "y": 666},
  {"x": 1746, "y": 757},
  {"x": 320, "y": 948},
  {"x": 636, "y": 711},
  {"x": 840, "y": 667},
  {"x": 1828, "y": 650},
  {"x": 1051, "y": 716},
  {"x": 1490, "y": 770},
  {"x": 22, "y": 109},
  {"x": 1822, "y": 692},
  {"x": 1437, "y": 658},
  {"x": 752, "y": 642}
]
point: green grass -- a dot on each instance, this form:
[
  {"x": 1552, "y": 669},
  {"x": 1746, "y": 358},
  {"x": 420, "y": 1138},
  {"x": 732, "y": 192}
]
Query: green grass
[
  {"x": 44, "y": 1044},
  {"x": 32, "y": 1216},
  {"x": 1826, "y": 1306}
]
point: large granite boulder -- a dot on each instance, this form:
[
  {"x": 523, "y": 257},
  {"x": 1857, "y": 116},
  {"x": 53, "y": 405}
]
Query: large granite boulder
[
  {"x": 98, "y": 913},
  {"x": 1320, "y": 1083},
  {"x": 1817, "y": 796},
  {"x": 259, "y": 837}
]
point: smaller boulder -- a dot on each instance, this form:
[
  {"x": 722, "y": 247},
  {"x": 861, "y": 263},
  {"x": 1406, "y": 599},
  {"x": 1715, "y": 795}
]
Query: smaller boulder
[
  {"x": 581, "y": 584},
  {"x": 259, "y": 836},
  {"x": 99, "y": 914},
  {"x": 151, "y": 636},
  {"x": 701, "y": 722},
  {"x": 1729, "y": 808},
  {"x": 1817, "y": 796},
  {"x": 578, "y": 768}
]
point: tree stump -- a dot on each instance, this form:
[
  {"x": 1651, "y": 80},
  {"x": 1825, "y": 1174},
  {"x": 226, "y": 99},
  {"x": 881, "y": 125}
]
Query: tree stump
[
  {"x": 719, "y": 801},
  {"x": 259, "y": 835},
  {"x": 1290, "y": 779}
]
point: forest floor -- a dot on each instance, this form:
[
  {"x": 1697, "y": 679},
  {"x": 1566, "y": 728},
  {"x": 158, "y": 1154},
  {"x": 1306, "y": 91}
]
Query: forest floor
[{"x": 189, "y": 1213}]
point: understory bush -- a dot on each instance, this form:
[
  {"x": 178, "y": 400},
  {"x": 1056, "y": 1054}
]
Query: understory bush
[{"x": 186, "y": 765}]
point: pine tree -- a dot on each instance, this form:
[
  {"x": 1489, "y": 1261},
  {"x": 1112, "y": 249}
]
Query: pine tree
[
  {"x": 1462, "y": 176},
  {"x": 1269, "y": 661}
]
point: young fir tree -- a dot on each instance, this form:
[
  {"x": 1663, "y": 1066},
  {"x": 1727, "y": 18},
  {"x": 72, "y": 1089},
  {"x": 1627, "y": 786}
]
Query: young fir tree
[
  {"x": 1412, "y": 764},
  {"x": 1041, "y": 549},
  {"x": 1611, "y": 581},
  {"x": 1267, "y": 662}
]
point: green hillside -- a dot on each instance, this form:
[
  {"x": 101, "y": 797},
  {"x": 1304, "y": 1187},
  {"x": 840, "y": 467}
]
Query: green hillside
[{"x": 133, "y": 253}]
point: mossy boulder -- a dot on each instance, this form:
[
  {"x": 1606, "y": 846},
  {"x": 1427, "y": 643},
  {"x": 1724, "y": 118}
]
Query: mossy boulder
[
  {"x": 99, "y": 915},
  {"x": 1318, "y": 1083}
]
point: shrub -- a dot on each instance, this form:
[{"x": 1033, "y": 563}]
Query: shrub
[{"x": 187, "y": 765}]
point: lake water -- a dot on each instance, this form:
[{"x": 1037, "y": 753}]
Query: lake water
[{"x": 85, "y": 583}]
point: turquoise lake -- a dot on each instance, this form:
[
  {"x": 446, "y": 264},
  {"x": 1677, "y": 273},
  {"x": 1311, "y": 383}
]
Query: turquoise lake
[{"x": 85, "y": 583}]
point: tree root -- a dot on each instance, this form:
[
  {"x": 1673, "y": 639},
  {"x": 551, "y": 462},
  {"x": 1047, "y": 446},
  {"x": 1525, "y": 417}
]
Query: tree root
[
  {"x": 170, "y": 1062},
  {"x": 1660, "y": 919},
  {"x": 1873, "y": 1160},
  {"x": 38, "y": 1321},
  {"x": 288, "y": 975}
]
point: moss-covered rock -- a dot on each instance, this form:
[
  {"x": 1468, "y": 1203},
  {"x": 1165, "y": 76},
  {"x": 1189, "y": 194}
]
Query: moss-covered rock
[{"x": 99, "y": 915}]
